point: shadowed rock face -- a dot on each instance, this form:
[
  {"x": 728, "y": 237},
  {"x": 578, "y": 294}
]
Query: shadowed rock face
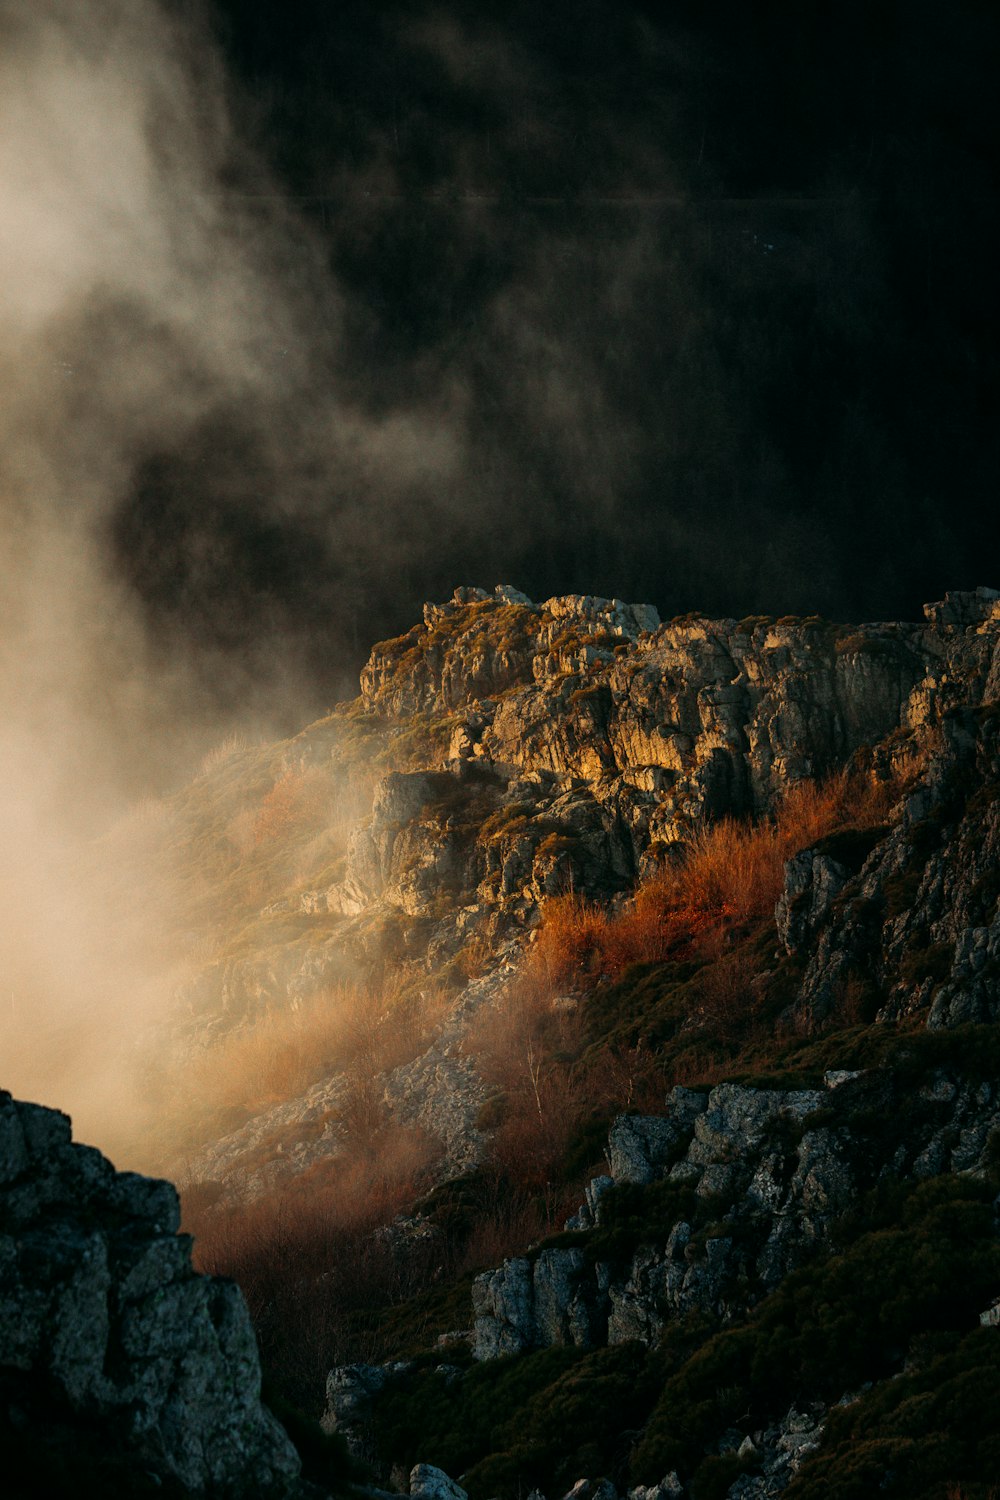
[
  {"x": 116, "y": 1358},
  {"x": 783, "y": 1177}
]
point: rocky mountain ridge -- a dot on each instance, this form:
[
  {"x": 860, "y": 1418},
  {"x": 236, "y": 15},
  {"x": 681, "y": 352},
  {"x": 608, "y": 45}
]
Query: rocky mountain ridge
[
  {"x": 577, "y": 745},
  {"x": 744, "y": 1189},
  {"x": 790, "y": 1261}
]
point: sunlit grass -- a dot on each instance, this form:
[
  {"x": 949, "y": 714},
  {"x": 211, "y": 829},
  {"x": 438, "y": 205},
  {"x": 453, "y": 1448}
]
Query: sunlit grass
[{"x": 729, "y": 872}]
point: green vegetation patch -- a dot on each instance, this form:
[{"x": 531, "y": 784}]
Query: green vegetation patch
[
  {"x": 511, "y": 1425},
  {"x": 633, "y": 1214},
  {"x": 677, "y": 1010},
  {"x": 918, "y": 1265},
  {"x": 928, "y": 1434},
  {"x": 410, "y": 1328},
  {"x": 931, "y": 1266}
]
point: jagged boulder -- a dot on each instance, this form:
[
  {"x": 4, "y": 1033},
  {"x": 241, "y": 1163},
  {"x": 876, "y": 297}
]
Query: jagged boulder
[
  {"x": 115, "y": 1356},
  {"x": 503, "y": 1306},
  {"x": 349, "y": 1393},
  {"x": 641, "y": 1147},
  {"x": 429, "y": 1483},
  {"x": 813, "y": 881},
  {"x": 669, "y": 1488}
]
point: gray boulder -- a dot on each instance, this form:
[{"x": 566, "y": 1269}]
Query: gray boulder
[
  {"x": 116, "y": 1358},
  {"x": 669, "y": 1488},
  {"x": 428, "y": 1483}
]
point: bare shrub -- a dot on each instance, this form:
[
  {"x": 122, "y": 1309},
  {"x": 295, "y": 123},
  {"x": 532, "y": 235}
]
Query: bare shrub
[
  {"x": 572, "y": 942},
  {"x": 726, "y": 992},
  {"x": 626, "y": 1078},
  {"x": 510, "y": 1218},
  {"x": 529, "y": 1145}
]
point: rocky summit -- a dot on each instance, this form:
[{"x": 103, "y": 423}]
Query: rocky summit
[{"x": 596, "y": 1027}]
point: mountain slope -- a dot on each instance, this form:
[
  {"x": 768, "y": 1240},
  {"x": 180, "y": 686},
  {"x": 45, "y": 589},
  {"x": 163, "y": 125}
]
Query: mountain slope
[{"x": 700, "y": 917}]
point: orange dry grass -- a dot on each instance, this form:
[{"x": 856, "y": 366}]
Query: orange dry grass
[
  {"x": 346, "y": 1027},
  {"x": 737, "y": 869},
  {"x": 729, "y": 873},
  {"x": 299, "y": 799},
  {"x": 310, "y": 1262}
]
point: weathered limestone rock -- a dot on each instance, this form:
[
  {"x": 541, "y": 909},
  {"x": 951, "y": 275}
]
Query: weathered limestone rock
[
  {"x": 596, "y": 688},
  {"x": 535, "y": 1304},
  {"x": 972, "y": 990},
  {"x": 964, "y": 607},
  {"x": 738, "y": 1119},
  {"x": 777, "y": 1453},
  {"x": 918, "y": 925},
  {"x": 592, "y": 1489},
  {"x": 669, "y": 1488},
  {"x": 775, "y": 1177},
  {"x": 562, "y": 1313},
  {"x": 503, "y": 1305},
  {"x": 591, "y": 1207},
  {"x": 428, "y": 1483},
  {"x": 813, "y": 881},
  {"x": 641, "y": 1146},
  {"x": 112, "y": 1349},
  {"x": 349, "y": 1392}
]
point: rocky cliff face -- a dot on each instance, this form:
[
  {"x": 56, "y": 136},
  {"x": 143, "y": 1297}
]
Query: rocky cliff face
[
  {"x": 738, "y": 1224},
  {"x": 665, "y": 1343},
  {"x": 759, "y": 1176},
  {"x": 530, "y": 749},
  {"x": 117, "y": 1362},
  {"x": 603, "y": 736}
]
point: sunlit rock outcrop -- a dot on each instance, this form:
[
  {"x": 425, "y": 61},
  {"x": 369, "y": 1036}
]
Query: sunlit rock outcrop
[{"x": 504, "y": 752}]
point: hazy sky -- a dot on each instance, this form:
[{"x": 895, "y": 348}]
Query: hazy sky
[
  {"x": 703, "y": 296},
  {"x": 312, "y": 313}
]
